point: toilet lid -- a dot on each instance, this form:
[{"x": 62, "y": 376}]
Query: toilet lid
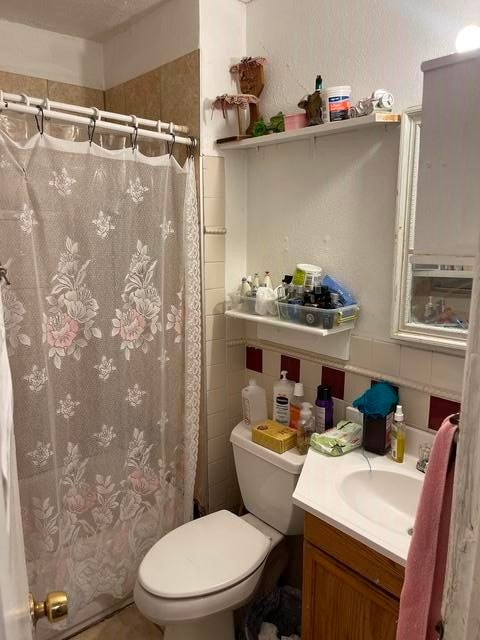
[{"x": 203, "y": 556}]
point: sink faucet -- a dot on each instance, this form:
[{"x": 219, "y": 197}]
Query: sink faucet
[{"x": 423, "y": 457}]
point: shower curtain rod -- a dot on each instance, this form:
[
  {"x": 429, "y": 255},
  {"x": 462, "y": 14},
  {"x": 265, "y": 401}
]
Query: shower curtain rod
[{"x": 51, "y": 110}]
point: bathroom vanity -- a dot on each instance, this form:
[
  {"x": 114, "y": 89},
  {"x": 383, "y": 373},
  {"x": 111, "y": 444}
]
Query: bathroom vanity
[
  {"x": 349, "y": 590},
  {"x": 359, "y": 513}
]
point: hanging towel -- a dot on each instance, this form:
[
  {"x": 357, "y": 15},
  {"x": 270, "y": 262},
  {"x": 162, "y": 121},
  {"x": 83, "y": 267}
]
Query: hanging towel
[{"x": 421, "y": 598}]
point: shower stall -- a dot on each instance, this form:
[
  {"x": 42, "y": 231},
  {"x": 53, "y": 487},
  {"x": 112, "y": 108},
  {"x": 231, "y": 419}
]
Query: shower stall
[{"x": 99, "y": 236}]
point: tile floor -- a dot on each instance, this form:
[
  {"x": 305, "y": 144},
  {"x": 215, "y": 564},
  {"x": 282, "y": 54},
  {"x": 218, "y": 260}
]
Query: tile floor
[{"x": 127, "y": 624}]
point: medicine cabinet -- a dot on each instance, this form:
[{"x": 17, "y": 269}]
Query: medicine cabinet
[{"x": 432, "y": 286}]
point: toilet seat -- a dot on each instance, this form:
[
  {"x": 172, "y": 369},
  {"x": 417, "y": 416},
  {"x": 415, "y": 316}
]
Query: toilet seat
[{"x": 203, "y": 557}]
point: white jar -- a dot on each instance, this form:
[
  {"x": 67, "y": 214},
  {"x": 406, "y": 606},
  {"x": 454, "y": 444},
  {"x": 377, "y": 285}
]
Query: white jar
[{"x": 336, "y": 103}]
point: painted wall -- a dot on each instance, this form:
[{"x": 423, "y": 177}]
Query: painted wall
[
  {"x": 44, "y": 54},
  {"x": 222, "y": 43},
  {"x": 367, "y": 43},
  {"x": 159, "y": 37},
  {"x": 333, "y": 203}
]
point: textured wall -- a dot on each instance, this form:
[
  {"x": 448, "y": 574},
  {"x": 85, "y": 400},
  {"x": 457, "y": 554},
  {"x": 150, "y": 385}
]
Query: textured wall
[
  {"x": 40, "y": 53},
  {"x": 366, "y": 43},
  {"x": 333, "y": 203},
  {"x": 160, "y": 36}
]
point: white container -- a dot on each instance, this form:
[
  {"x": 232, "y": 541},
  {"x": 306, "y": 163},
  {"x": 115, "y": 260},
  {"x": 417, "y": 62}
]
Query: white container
[
  {"x": 336, "y": 103},
  {"x": 254, "y": 403},
  {"x": 282, "y": 397}
]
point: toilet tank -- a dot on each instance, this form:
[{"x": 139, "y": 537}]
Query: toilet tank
[{"x": 267, "y": 481}]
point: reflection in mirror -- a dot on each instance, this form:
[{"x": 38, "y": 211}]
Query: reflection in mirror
[{"x": 432, "y": 289}]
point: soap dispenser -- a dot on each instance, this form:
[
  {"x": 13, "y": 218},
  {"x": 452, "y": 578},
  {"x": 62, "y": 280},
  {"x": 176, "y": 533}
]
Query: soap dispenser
[{"x": 305, "y": 428}]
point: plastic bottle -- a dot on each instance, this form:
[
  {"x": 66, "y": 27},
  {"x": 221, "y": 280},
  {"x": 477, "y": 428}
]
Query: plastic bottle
[
  {"x": 245, "y": 288},
  {"x": 398, "y": 435},
  {"x": 267, "y": 281},
  {"x": 305, "y": 428},
  {"x": 296, "y": 404},
  {"x": 282, "y": 396},
  {"x": 323, "y": 409},
  {"x": 254, "y": 403},
  {"x": 255, "y": 284}
]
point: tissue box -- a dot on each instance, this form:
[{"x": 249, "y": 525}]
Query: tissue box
[{"x": 274, "y": 436}]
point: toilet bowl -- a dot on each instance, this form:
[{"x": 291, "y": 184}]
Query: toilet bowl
[{"x": 194, "y": 578}]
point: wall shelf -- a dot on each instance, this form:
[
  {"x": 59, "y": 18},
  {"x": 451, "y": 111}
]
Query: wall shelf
[
  {"x": 333, "y": 342},
  {"x": 344, "y": 126}
]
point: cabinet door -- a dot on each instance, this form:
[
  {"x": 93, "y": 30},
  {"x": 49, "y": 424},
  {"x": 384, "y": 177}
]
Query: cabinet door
[{"x": 341, "y": 605}]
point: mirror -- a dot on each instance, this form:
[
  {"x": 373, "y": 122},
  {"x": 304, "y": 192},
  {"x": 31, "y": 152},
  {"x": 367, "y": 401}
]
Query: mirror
[{"x": 432, "y": 287}]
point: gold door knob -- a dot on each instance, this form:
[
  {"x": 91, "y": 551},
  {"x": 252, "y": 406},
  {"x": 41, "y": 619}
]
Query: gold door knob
[{"x": 55, "y": 607}]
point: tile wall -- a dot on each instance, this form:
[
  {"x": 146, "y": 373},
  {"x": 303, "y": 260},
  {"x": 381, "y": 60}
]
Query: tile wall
[
  {"x": 60, "y": 91},
  {"x": 225, "y": 345},
  {"x": 429, "y": 383}
]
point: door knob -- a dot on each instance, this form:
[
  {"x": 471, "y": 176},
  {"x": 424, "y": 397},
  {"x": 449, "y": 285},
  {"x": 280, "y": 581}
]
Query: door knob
[{"x": 54, "y": 607}]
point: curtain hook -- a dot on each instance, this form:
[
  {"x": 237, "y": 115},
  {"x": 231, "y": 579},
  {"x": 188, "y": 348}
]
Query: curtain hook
[
  {"x": 191, "y": 147},
  {"x": 171, "y": 145},
  {"x": 41, "y": 123},
  {"x": 134, "y": 136},
  {"x": 91, "y": 128}
]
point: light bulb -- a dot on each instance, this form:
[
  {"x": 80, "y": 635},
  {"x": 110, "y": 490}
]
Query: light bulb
[{"x": 468, "y": 38}]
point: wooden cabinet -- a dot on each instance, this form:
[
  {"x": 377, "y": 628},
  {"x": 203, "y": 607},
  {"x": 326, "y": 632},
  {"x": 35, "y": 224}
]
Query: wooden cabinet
[{"x": 349, "y": 591}]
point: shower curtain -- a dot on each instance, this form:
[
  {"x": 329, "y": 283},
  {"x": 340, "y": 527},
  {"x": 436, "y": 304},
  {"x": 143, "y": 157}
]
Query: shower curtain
[{"x": 103, "y": 326}]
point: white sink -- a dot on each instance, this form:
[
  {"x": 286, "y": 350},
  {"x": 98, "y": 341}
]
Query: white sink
[
  {"x": 369, "y": 497},
  {"x": 387, "y": 498}
]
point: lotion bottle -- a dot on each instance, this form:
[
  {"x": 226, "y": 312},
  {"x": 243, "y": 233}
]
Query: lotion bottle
[{"x": 282, "y": 397}]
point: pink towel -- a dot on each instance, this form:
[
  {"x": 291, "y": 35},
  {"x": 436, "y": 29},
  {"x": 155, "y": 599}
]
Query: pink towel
[{"x": 421, "y": 599}]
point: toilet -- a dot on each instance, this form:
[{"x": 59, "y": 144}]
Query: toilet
[{"x": 194, "y": 578}]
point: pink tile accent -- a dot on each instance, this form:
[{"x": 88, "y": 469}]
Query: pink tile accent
[
  {"x": 335, "y": 378},
  {"x": 440, "y": 408},
  {"x": 254, "y": 359},
  {"x": 292, "y": 365}
]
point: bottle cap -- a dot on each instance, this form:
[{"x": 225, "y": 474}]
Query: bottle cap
[
  {"x": 252, "y": 382},
  {"x": 398, "y": 417},
  {"x": 298, "y": 389},
  {"x": 324, "y": 392}
]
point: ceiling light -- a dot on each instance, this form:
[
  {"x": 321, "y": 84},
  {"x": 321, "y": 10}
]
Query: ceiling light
[{"x": 468, "y": 38}]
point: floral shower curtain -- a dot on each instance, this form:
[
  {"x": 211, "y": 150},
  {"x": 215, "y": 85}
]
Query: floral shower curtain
[{"x": 102, "y": 321}]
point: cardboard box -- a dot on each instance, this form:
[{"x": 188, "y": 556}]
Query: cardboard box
[{"x": 274, "y": 436}]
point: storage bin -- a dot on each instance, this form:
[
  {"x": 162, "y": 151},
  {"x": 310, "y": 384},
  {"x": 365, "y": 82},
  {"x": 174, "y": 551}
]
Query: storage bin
[{"x": 308, "y": 316}]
